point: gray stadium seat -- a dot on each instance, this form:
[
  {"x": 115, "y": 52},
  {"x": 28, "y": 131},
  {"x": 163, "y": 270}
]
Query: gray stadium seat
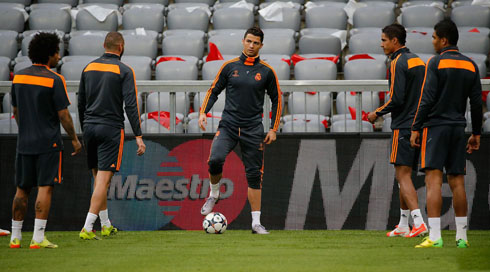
[
  {"x": 210, "y": 69},
  {"x": 282, "y": 69},
  {"x": 255, "y": 2},
  {"x": 232, "y": 32},
  {"x": 176, "y": 70},
  {"x": 476, "y": 30},
  {"x": 303, "y": 126},
  {"x": 273, "y": 57},
  {"x": 141, "y": 66},
  {"x": 87, "y": 43},
  {"x": 8, "y": 126},
  {"x": 421, "y": 16},
  {"x": 21, "y": 63},
  {"x": 386, "y": 124},
  {"x": 8, "y": 39},
  {"x": 50, "y": 19},
  {"x": 350, "y": 126},
  {"x": 305, "y": 103},
  {"x": 161, "y": 2},
  {"x": 207, "y": 2},
  {"x": 11, "y": 17},
  {"x": 182, "y": 102},
  {"x": 374, "y": 16},
  {"x": 4, "y": 68},
  {"x": 183, "y": 45},
  {"x": 326, "y": 17},
  {"x": 278, "y": 44},
  {"x": 319, "y": 44},
  {"x": 73, "y": 66},
  {"x": 425, "y": 57},
  {"x": 21, "y": 2},
  {"x": 86, "y": 21},
  {"x": 181, "y": 18},
  {"x": 370, "y": 101},
  {"x": 140, "y": 45},
  {"x": 147, "y": 16},
  {"x": 234, "y": 18},
  {"x": 315, "y": 69},
  {"x": 192, "y": 33},
  {"x": 29, "y": 35},
  {"x": 486, "y": 126},
  {"x": 113, "y": 2},
  {"x": 365, "y": 43},
  {"x": 228, "y": 44},
  {"x": 419, "y": 43},
  {"x": 474, "y": 43},
  {"x": 191, "y": 59},
  {"x": 291, "y": 20},
  {"x": 6, "y": 103},
  {"x": 363, "y": 69},
  {"x": 471, "y": 16},
  {"x": 72, "y": 3}
]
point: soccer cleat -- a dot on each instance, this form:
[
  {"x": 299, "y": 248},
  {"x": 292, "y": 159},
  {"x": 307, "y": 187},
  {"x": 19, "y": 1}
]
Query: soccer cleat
[
  {"x": 4, "y": 232},
  {"x": 44, "y": 244},
  {"x": 15, "y": 243},
  {"x": 88, "y": 235},
  {"x": 420, "y": 231},
  {"x": 426, "y": 243},
  {"x": 462, "y": 244},
  {"x": 398, "y": 231},
  {"x": 209, "y": 205},
  {"x": 259, "y": 229},
  {"x": 107, "y": 231}
]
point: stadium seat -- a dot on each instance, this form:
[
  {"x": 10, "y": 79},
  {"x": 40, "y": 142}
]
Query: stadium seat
[
  {"x": 182, "y": 18},
  {"x": 291, "y": 20},
  {"x": 12, "y": 17},
  {"x": 474, "y": 43},
  {"x": 190, "y": 59},
  {"x": 50, "y": 19},
  {"x": 425, "y": 57},
  {"x": 112, "y": 2},
  {"x": 72, "y": 3},
  {"x": 87, "y": 43},
  {"x": 302, "y": 126},
  {"x": 273, "y": 57},
  {"x": 147, "y": 16},
  {"x": 29, "y": 35},
  {"x": 255, "y": 2},
  {"x": 421, "y": 16},
  {"x": 176, "y": 70},
  {"x": 278, "y": 44},
  {"x": 161, "y": 2},
  {"x": 6, "y": 103},
  {"x": 21, "y": 63},
  {"x": 141, "y": 66},
  {"x": 282, "y": 69},
  {"x": 370, "y": 30},
  {"x": 419, "y": 43},
  {"x": 234, "y": 18},
  {"x": 370, "y": 101},
  {"x": 386, "y": 124},
  {"x": 228, "y": 44},
  {"x": 230, "y": 32},
  {"x": 326, "y": 17},
  {"x": 374, "y": 16},
  {"x": 486, "y": 126},
  {"x": 86, "y": 21},
  {"x": 319, "y": 44},
  {"x": 8, "y": 40},
  {"x": 475, "y": 16},
  {"x": 73, "y": 66},
  {"x": 183, "y": 45},
  {"x": 365, "y": 43},
  {"x": 210, "y": 69},
  {"x": 4, "y": 69},
  {"x": 472, "y": 29},
  {"x": 8, "y": 126},
  {"x": 140, "y": 45},
  {"x": 362, "y": 69},
  {"x": 182, "y": 102},
  {"x": 350, "y": 126}
]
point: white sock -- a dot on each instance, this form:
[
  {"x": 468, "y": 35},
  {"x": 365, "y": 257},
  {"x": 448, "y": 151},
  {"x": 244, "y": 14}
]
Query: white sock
[
  {"x": 404, "y": 214},
  {"x": 417, "y": 217},
  {"x": 214, "y": 190},
  {"x": 256, "y": 218},
  {"x": 104, "y": 218},
  {"x": 39, "y": 227},
  {"x": 16, "y": 230},
  {"x": 89, "y": 222},
  {"x": 461, "y": 227},
  {"x": 434, "y": 228}
]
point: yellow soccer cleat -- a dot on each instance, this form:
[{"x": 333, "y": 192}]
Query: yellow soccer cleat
[
  {"x": 107, "y": 231},
  {"x": 44, "y": 244},
  {"x": 88, "y": 235},
  {"x": 15, "y": 243},
  {"x": 426, "y": 243}
]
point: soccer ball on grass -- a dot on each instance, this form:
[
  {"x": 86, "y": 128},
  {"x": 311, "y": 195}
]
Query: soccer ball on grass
[{"x": 214, "y": 222}]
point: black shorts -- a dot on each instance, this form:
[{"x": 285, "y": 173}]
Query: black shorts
[
  {"x": 104, "y": 146},
  {"x": 38, "y": 170},
  {"x": 401, "y": 151},
  {"x": 444, "y": 147},
  {"x": 252, "y": 148}
]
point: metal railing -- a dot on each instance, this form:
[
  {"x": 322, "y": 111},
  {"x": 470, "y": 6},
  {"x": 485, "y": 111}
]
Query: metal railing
[{"x": 287, "y": 86}]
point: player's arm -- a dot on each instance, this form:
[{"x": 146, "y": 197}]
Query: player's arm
[
  {"x": 275, "y": 95},
  {"x": 130, "y": 95},
  {"x": 81, "y": 100},
  {"x": 426, "y": 101},
  {"x": 219, "y": 84},
  {"x": 476, "y": 113}
]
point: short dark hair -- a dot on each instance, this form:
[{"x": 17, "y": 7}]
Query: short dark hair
[
  {"x": 447, "y": 29},
  {"x": 396, "y": 31},
  {"x": 43, "y": 46},
  {"x": 256, "y": 31},
  {"x": 113, "y": 40}
]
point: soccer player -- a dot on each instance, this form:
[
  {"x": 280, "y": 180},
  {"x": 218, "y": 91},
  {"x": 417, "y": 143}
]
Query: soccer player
[
  {"x": 40, "y": 101},
  {"x": 405, "y": 80},
  {"x": 246, "y": 79},
  {"x": 450, "y": 78},
  {"x": 106, "y": 85}
]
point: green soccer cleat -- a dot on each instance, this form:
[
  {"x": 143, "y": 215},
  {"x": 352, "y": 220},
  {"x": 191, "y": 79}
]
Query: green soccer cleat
[
  {"x": 88, "y": 235},
  {"x": 15, "y": 243},
  {"x": 107, "y": 231},
  {"x": 44, "y": 244},
  {"x": 462, "y": 244},
  {"x": 426, "y": 243}
]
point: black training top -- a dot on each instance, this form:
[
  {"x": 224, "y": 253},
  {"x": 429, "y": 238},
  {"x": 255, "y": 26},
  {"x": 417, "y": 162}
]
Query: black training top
[
  {"x": 246, "y": 80},
  {"x": 405, "y": 78},
  {"x": 38, "y": 94},
  {"x": 106, "y": 85},
  {"x": 450, "y": 78}
]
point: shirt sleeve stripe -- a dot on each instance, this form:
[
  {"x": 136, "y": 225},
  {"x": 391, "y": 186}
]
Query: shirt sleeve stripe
[{"x": 210, "y": 90}]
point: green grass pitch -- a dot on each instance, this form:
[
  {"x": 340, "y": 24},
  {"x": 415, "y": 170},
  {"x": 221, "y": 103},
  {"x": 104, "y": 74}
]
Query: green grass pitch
[{"x": 236, "y": 250}]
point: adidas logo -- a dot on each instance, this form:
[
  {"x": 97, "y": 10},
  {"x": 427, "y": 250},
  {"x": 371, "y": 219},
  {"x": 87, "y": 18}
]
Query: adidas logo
[{"x": 112, "y": 165}]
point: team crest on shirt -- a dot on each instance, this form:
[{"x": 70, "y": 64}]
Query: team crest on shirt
[
  {"x": 258, "y": 76},
  {"x": 235, "y": 73}
]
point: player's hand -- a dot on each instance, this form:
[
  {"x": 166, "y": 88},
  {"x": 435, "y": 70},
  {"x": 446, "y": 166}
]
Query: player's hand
[
  {"x": 372, "y": 117},
  {"x": 415, "y": 139},
  {"x": 270, "y": 137},
  {"x": 141, "y": 146},
  {"x": 473, "y": 143},
  {"x": 77, "y": 146},
  {"x": 202, "y": 121}
]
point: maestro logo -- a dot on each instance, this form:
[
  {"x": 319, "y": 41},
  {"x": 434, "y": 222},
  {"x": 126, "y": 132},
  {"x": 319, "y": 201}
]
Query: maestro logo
[{"x": 165, "y": 186}]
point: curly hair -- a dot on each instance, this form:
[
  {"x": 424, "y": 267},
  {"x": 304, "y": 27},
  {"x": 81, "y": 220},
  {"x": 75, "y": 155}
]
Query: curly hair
[{"x": 43, "y": 46}]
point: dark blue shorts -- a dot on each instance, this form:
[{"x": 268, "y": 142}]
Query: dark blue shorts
[
  {"x": 401, "y": 151},
  {"x": 38, "y": 170},
  {"x": 104, "y": 146}
]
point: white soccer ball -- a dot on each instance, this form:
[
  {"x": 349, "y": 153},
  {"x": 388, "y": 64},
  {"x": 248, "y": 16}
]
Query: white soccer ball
[{"x": 214, "y": 222}]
